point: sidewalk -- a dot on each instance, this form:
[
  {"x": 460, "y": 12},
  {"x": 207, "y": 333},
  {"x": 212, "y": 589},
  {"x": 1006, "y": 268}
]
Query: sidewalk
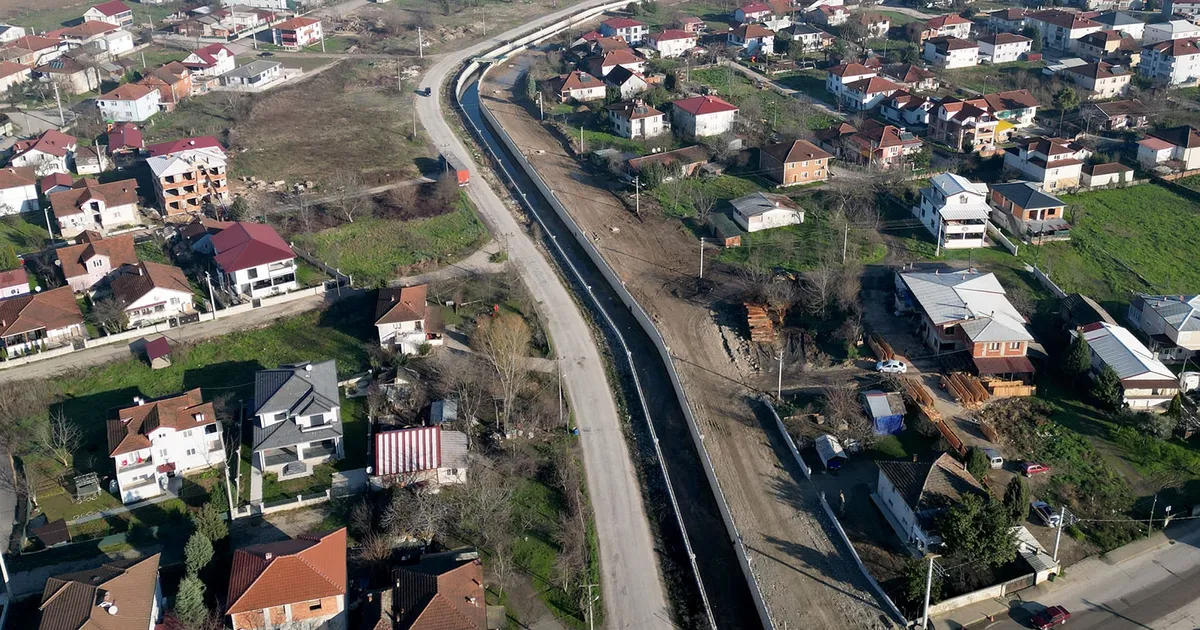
[{"x": 1089, "y": 572}]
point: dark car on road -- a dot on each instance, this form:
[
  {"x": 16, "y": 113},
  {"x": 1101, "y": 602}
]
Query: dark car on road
[{"x": 1052, "y": 616}]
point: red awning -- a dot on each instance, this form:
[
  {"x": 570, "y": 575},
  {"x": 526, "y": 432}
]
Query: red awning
[
  {"x": 1002, "y": 365},
  {"x": 166, "y": 468}
]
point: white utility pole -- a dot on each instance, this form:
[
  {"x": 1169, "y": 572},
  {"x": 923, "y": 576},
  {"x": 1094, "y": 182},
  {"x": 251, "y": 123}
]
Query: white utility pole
[
  {"x": 1062, "y": 520},
  {"x": 414, "y": 115},
  {"x": 591, "y": 600},
  {"x": 420, "y": 44},
  {"x": 541, "y": 109},
  {"x": 779, "y": 385},
  {"x": 928, "y": 588},
  {"x": 845, "y": 241},
  {"x": 211, "y": 296},
  {"x": 62, "y": 119},
  {"x": 561, "y": 418},
  {"x": 1150, "y": 523},
  {"x": 322, "y": 40},
  {"x": 701, "y": 258},
  {"x": 143, "y": 54},
  {"x": 938, "y": 241},
  {"x": 581, "y": 139},
  {"x": 637, "y": 196},
  {"x": 49, "y": 230}
]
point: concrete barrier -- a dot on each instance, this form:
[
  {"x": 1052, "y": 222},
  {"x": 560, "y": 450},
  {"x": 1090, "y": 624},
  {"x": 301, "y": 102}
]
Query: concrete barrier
[
  {"x": 664, "y": 352},
  {"x": 787, "y": 437},
  {"x": 862, "y": 567},
  {"x": 1045, "y": 281},
  {"x": 990, "y": 592},
  {"x": 999, "y": 237}
]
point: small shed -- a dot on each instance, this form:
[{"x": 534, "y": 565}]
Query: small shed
[
  {"x": 53, "y": 533},
  {"x": 158, "y": 353},
  {"x": 725, "y": 230},
  {"x": 87, "y": 487},
  {"x": 830, "y": 451},
  {"x": 442, "y": 411},
  {"x": 886, "y": 410}
]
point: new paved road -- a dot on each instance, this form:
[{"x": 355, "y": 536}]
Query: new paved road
[{"x": 634, "y": 596}]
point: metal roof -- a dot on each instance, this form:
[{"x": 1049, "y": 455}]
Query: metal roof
[
  {"x": 1128, "y": 357},
  {"x": 883, "y": 404},
  {"x": 1182, "y": 312},
  {"x": 964, "y": 296}
]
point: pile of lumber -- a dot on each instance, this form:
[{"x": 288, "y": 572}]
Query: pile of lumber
[
  {"x": 945, "y": 429},
  {"x": 762, "y": 329},
  {"x": 880, "y": 347},
  {"x": 917, "y": 392},
  {"x": 1008, "y": 389},
  {"x": 966, "y": 389}
]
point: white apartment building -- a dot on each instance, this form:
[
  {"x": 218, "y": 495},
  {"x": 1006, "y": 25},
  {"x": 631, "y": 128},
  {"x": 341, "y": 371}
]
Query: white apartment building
[
  {"x": 636, "y": 119},
  {"x": 955, "y": 211},
  {"x": 840, "y": 76},
  {"x": 1101, "y": 81},
  {"x": 951, "y": 52},
  {"x": 154, "y": 440},
  {"x": 1003, "y": 48},
  {"x": 632, "y": 31},
  {"x": 1060, "y": 29},
  {"x": 1171, "y": 62},
  {"x": 131, "y": 102},
  {"x": 1167, "y": 31},
  {"x": 672, "y": 42}
]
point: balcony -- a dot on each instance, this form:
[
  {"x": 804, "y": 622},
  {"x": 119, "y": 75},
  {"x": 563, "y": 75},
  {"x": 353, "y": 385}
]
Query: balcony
[
  {"x": 279, "y": 266},
  {"x": 135, "y": 467},
  {"x": 281, "y": 457},
  {"x": 321, "y": 450}
]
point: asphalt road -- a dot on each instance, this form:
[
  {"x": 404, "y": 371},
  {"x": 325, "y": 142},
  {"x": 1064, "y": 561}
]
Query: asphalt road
[
  {"x": 634, "y": 596},
  {"x": 1159, "y": 590}
]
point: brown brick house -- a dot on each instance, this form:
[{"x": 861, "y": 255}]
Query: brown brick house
[
  {"x": 298, "y": 580},
  {"x": 173, "y": 82},
  {"x": 794, "y": 163}
]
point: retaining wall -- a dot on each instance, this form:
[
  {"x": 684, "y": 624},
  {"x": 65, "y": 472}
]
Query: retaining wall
[
  {"x": 664, "y": 352},
  {"x": 990, "y": 592},
  {"x": 1048, "y": 283}
]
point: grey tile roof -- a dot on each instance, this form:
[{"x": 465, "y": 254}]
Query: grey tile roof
[
  {"x": 288, "y": 433},
  {"x": 301, "y": 389},
  {"x": 930, "y": 485},
  {"x": 1027, "y": 196}
]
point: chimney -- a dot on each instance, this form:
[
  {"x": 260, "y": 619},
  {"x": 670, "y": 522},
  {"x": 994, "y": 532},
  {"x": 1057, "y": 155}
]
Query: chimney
[
  {"x": 139, "y": 401},
  {"x": 268, "y": 555}
]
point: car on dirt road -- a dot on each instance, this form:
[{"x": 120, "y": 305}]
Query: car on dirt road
[
  {"x": 1050, "y": 617},
  {"x": 891, "y": 366},
  {"x": 1030, "y": 469},
  {"x": 1046, "y": 513}
]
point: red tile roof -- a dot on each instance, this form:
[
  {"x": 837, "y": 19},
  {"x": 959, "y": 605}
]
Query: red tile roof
[
  {"x": 701, "y": 105},
  {"x": 578, "y": 80},
  {"x": 1000, "y": 39},
  {"x": 50, "y": 310},
  {"x": 1009, "y": 15},
  {"x": 112, "y": 8},
  {"x": 14, "y": 278},
  {"x": 73, "y": 259},
  {"x": 618, "y": 23},
  {"x": 33, "y": 43},
  {"x": 1064, "y": 19},
  {"x": 752, "y": 31},
  {"x": 796, "y": 151},
  {"x": 297, "y": 570},
  {"x": 850, "y": 69},
  {"x": 130, "y": 430},
  {"x": 9, "y": 68},
  {"x": 119, "y": 193},
  {"x": 52, "y": 142},
  {"x": 158, "y": 348},
  {"x": 246, "y": 245},
  {"x": 296, "y": 23},
  {"x": 127, "y": 92},
  {"x": 946, "y": 20},
  {"x": 135, "y": 282},
  {"x": 54, "y": 179},
  {"x": 15, "y": 177},
  {"x": 183, "y": 144},
  {"x": 401, "y": 304},
  {"x": 125, "y": 135},
  {"x": 72, "y": 601},
  {"x": 672, "y": 34},
  {"x": 440, "y": 593},
  {"x": 1178, "y": 47},
  {"x": 873, "y": 85}
]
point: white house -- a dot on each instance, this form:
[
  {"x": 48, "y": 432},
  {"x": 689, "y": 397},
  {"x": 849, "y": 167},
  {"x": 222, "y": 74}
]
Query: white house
[
  {"x": 298, "y": 32},
  {"x": 1171, "y": 322},
  {"x": 955, "y": 211},
  {"x": 632, "y": 31},
  {"x": 579, "y": 86},
  {"x": 297, "y": 418},
  {"x": 1147, "y": 384},
  {"x": 913, "y": 494},
  {"x": 601, "y": 65},
  {"x": 14, "y": 282},
  {"x": 207, "y": 64},
  {"x": 752, "y": 12},
  {"x": 701, "y": 116},
  {"x": 427, "y": 455},
  {"x": 951, "y": 52},
  {"x": 672, "y": 42},
  {"x": 154, "y": 440},
  {"x": 636, "y": 119},
  {"x": 752, "y": 39},
  {"x": 51, "y": 152},
  {"x": 1177, "y": 144},
  {"x": 90, "y": 205},
  {"x": 1100, "y": 80},
  {"x": 10, "y": 33},
  {"x": 117, "y": 43},
  {"x": 254, "y": 260},
  {"x": 1003, "y": 47},
  {"x": 114, "y": 12},
  {"x": 1167, "y": 31},
  {"x": 13, "y": 74},
  {"x": 840, "y": 76},
  {"x": 868, "y": 93},
  {"x": 1172, "y": 62},
  {"x": 255, "y": 75},
  {"x": 152, "y": 292},
  {"x": 42, "y": 320},
  {"x": 131, "y": 102},
  {"x": 93, "y": 260},
  {"x": 1122, "y": 23},
  {"x": 627, "y": 82},
  {"x": 762, "y": 211},
  {"x": 404, "y": 320},
  {"x": 18, "y": 190},
  {"x": 1010, "y": 20},
  {"x": 1054, "y": 163},
  {"x": 811, "y": 38}
]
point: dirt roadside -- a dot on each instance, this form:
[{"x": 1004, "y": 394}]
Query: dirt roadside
[{"x": 807, "y": 579}]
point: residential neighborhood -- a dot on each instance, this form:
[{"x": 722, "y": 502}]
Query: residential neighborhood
[{"x": 791, "y": 313}]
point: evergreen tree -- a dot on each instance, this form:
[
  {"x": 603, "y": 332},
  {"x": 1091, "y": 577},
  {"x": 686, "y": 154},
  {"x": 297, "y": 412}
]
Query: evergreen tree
[
  {"x": 915, "y": 572},
  {"x": 1107, "y": 389},
  {"x": 189, "y": 602},
  {"x": 197, "y": 553},
  {"x": 1078, "y": 360},
  {"x": 978, "y": 528},
  {"x": 977, "y": 463},
  {"x": 210, "y": 521},
  {"x": 1016, "y": 499},
  {"x": 9, "y": 258}
]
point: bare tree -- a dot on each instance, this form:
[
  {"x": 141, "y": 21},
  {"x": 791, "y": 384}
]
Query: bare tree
[
  {"x": 848, "y": 286},
  {"x": 462, "y": 377},
  {"x": 347, "y": 187},
  {"x": 704, "y": 203},
  {"x": 59, "y": 437},
  {"x": 110, "y": 315},
  {"x": 303, "y": 208},
  {"x": 503, "y": 340},
  {"x": 818, "y": 286}
]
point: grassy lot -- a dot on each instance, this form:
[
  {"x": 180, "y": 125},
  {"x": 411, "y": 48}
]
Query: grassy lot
[
  {"x": 898, "y": 19},
  {"x": 377, "y": 250},
  {"x": 57, "y": 14},
  {"x": 25, "y": 232},
  {"x": 276, "y": 490},
  {"x": 462, "y": 26},
  {"x": 151, "y": 252},
  {"x": 156, "y": 56},
  {"x": 802, "y": 247},
  {"x": 676, "y": 196},
  {"x": 994, "y": 78},
  {"x": 778, "y": 112},
  {"x": 354, "y": 436},
  {"x": 810, "y": 82},
  {"x": 602, "y": 137},
  {"x": 353, "y": 120}
]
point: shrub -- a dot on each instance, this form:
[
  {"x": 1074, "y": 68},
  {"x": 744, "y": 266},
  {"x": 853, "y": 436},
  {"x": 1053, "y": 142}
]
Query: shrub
[
  {"x": 977, "y": 463},
  {"x": 1107, "y": 389},
  {"x": 210, "y": 522},
  {"x": 189, "y": 602}
]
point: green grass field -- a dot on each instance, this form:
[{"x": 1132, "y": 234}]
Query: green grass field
[
  {"x": 50, "y": 19},
  {"x": 778, "y": 112},
  {"x": 26, "y": 232},
  {"x": 377, "y": 250},
  {"x": 676, "y": 196},
  {"x": 992, "y": 78}
]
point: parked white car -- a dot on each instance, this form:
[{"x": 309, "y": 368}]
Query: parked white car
[{"x": 891, "y": 366}]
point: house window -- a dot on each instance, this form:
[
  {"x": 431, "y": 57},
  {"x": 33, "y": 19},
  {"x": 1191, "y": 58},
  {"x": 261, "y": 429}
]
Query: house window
[
  {"x": 210, "y": 429},
  {"x": 993, "y": 346},
  {"x": 314, "y": 606},
  {"x": 191, "y": 451},
  {"x": 252, "y": 273},
  {"x": 162, "y": 452},
  {"x": 97, "y": 263},
  {"x": 1014, "y": 345}
]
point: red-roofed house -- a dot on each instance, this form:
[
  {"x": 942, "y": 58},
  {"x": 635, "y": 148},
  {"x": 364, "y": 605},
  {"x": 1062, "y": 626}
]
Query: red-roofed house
[
  {"x": 579, "y": 86},
  {"x": 55, "y": 182},
  {"x": 1178, "y": 144},
  {"x": 113, "y": 12},
  {"x": 404, "y": 321},
  {"x": 631, "y": 31},
  {"x": 90, "y": 205},
  {"x": 125, "y": 139},
  {"x": 794, "y": 163},
  {"x": 14, "y": 282},
  {"x": 300, "y": 581},
  {"x": 32, "y": 50},
  {"x": 942, "y": 26},
  {"x": 91, "y": 261},
  {"x": 867, "y": 93},
  {"x": 18, "y": 190},
  {"x": 152, "y": 439},
  {"x": 838, "y": 77},
  {"x": 254, "y": 260},
  {"x": 39, "y": 320},
  {"x": 444, "y": 591},
  {"x": 1055, "y": 163},
  {"x": 951, "y": 52},
  {"x": 878, "y": 145},
  {"x": 672, "y": 42},
  {"x": 601, "y": 65},
  {"x": 51, "y": 152},
  {"x": 131, "y": 102},
  {"x": 1173, "y": 62},
  {"x": 173, "y": 81},
  {"x": 12, "y": 74},
  {"x": 752, "y": 12},
  {"x": 297, "y": 33},
  {"x": 207, "y": 64},
  {"x": 752, "y": 39},
  {"x": 701, "y": 116},
  {"x": 152, "y": 292},
  {"x": 1061, "y": 29},
  {"x": 830, "y": 15}
]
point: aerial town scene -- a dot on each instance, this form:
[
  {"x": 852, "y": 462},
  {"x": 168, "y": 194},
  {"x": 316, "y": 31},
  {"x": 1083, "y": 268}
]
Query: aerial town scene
[{"x": 580, "y": 314}]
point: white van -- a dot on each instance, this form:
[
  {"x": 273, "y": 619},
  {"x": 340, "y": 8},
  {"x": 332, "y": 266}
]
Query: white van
[{"x": 994, "y": 459}]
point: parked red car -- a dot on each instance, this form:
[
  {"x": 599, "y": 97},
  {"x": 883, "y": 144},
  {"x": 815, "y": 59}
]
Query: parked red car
[
  {"x": 1033, "y": 468},
  {"x": 1052, "y": 616}
]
